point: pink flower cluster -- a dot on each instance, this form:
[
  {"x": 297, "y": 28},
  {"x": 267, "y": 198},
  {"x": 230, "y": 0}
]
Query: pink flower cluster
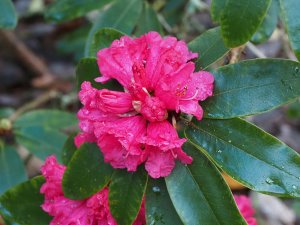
[
  {"x": 133, "y": 127},
  {"x": 91, "y": 211},
  {"x": 95, "y": 209},
  {"x": 245, "y": 206}
]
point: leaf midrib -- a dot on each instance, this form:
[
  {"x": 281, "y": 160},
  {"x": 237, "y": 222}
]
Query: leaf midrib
[
  {"x": 239, "y": 149},
  {"x": 253, "y": 86}
]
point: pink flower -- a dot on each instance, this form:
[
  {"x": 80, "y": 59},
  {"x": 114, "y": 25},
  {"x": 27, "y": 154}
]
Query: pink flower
[
  {"x": 245, "y": 206},
  {"x": 162, "y": 147},
  {"x": 91, "y": 211},
  {"x": 133, "y": 127},
  {"x": 118, "y": 141}
]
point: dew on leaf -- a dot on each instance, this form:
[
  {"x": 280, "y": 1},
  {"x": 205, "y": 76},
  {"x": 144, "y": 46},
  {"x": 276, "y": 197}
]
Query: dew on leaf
[
  {"x": 156, "y": 189},
  {"x": 269, "y": 180}
]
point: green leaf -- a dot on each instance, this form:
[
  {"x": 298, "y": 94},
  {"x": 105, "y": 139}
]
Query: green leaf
[
  {"x": 86, "y": 173},
  {"x": 122, "y": 15},
  {"x": 12, "y": 170},
  {"x": 268, "y": 25},
  {"x": 249, "y": 155},
  {"x": 253, "y": 86},
  {"x": 296, "y": 207},
  {"x": 41, "y": 141},
  {"x": 217, "y": 7},
  {"x": 74, "y": 42},
  {"x": 240, "y": 19},
  {"x": 103, "y": 39},
  {"x": 22, "y": 204},
  {"x": 126, "y": 193},
  {"x": 159, "y": 208},
  {"x": 148, "y": 21},
  {"x": 291, "y": 17},
  {"x": 293, "y": 110},
  {"x": 173, "y": 11},
  {"x": 46, "y": 118},
  {"x": 68, "y": 149},
  {"x": 63, "y": 10},
  {"x": 87, "y": 70},
  {"x": 199, "y": 193},
  {"x": 209, "y": 46},
  {"x": 8, "y": 16},
  {"x": 36, "y": 131},
  {"x": 5, "y": 112}
]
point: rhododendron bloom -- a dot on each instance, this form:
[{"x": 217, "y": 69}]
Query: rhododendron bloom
[
  {"x": 91, "y": 211},
  {"x": 245, "y": 206},
  {"x": 132, "y": 127}
]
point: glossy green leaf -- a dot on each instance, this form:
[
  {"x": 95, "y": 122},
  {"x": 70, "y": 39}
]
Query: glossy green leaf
[
  {"x": 148, "y": 21},
  {"x": 240, "y": 20},
  {"x": 36, "y": 131},
  {"x": 122, "y": 15},
  {"x": 159, "y": 208},
  {"x": 209, "y": 46},
  {"x": 87, "y": 70},
  {"x": 22, "y": 204},
  {"x": 62, "y": 10},
  {"x": 103, "y": 39},
  {"x": 12, "y": 170},
  {"x": 126, "y": 192},
  {"x": 8, "y": 16},
  {"x": 199, "y": 193},
  {"x": 268, "y": 25},
  {"x": 68, "y": 149},
  {"x": 249, "y": 155},
  {"x": 217, "y": 7},
  {"x": 290, "y": 12},
  {"x": 252, "y": 87},
  {"x": 47, "y": 118},
  {"x": 86, "y": 173}
]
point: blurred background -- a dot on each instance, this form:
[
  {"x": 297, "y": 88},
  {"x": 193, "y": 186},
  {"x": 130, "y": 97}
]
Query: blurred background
[{"x": 38, "y": 60}]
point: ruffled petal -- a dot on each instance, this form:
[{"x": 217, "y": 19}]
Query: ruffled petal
[
  {"x": 114, "y": 102},
  {"x": 115, "y": 62},
  {"x": 162, "y": 148},
  {"x": 118, "y": 141},
  {"x": 201, "y": 84},
  {"x": 159, "y": 163},
  {"x": 191, "y": 107}
]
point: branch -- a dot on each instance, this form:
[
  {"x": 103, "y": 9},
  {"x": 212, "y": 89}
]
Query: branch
[
  {"x": 29, "y": 59},
  {"x": 34, "y": 104}
]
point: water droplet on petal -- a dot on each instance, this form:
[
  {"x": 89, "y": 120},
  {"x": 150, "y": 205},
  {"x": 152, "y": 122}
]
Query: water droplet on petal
[
  {"x": 229, "y": 141},
  {"x": 219, "y": 151},
  {"x": 294, "y": 187}
]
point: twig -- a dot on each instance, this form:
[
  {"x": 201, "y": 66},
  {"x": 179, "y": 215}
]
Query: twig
[
  {"x": 29, "y": 59},
  {"x": 256, "y": 51},
  {"x": 34, "y": 104},
  {"x": 164, "y": 23},
  {"x": 236, "y": 54}
]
